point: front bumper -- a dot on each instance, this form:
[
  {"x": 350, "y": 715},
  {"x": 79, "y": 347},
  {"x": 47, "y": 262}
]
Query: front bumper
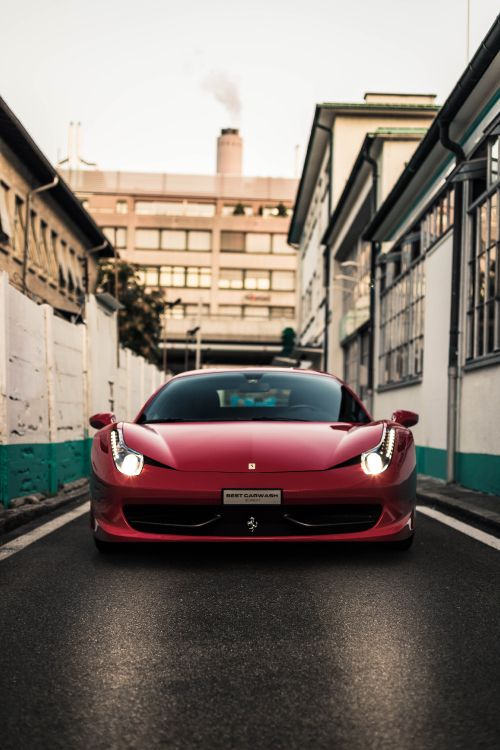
[{"x": 336, "y": 505}]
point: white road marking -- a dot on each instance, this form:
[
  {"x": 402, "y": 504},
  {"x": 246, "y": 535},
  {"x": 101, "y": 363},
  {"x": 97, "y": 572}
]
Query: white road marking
[
  {"x": 477, "y": 534},
  {"x": 20, "y": 542}
]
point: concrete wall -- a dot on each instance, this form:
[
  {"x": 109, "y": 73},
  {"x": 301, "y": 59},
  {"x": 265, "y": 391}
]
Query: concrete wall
[{"x": 53, "y": 376}]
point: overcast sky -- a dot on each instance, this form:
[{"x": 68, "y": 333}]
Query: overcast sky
[{"x": 153, "y": 81}]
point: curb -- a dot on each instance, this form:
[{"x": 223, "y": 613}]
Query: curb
[
  {"x": 12, "y": 518},
  {"x": 463, "y": 511}
]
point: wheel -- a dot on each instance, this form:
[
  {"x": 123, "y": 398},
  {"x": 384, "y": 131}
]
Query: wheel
[
  {"x": 403, "y": 545},
  {"x": 106, "y": 548}
]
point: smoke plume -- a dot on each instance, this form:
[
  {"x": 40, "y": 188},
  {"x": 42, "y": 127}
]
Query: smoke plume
[{"x": 225, "y": 91}]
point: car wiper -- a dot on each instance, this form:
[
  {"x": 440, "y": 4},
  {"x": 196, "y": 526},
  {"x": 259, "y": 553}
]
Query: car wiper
[
  {"x": 168, "y": 420},
  {"x": 277, "y": 419}
]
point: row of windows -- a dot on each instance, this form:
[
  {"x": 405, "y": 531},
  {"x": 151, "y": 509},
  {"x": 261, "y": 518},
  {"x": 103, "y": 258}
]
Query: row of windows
[
  {"x": 201, "y": 241},
  {"x": 190, "y": 208},
  {"x": 254, "y": 242},
  {"x": 229, "y": 278},
  {"x": 233, "y": 311},
  {"x": 483, "y": 297},
  {"x": 401, "y": 347},
  {"x": 47, "y": 251}
]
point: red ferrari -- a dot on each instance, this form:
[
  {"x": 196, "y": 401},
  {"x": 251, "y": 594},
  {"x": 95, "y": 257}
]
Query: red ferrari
[{"x": 264, "y": 454}]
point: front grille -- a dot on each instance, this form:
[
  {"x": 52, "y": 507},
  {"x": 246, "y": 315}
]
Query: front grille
[{"x": 223, "y": 520}]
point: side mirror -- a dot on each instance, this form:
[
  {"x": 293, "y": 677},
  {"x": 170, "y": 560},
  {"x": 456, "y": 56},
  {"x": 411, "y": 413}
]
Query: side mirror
[
  {"x": 98, "y": 421},
  {"x": 406, "y": 418}
]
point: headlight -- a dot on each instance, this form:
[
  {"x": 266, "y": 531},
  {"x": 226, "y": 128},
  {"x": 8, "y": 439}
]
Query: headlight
[
  {"x": 378, "y": 459},
  {"x": 126, "y": 460}
]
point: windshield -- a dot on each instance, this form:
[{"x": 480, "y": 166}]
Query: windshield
[{"x": 233, "y": 396}]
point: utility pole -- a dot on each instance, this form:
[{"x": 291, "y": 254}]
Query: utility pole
[
  {"x": 189, "y": 335},
  {"x": 168, "y": 306}
]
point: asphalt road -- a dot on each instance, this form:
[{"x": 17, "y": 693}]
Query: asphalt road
[{"x": 256, "y": 646}]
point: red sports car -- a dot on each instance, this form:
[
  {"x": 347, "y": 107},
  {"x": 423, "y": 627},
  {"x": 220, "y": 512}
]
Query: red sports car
[{"x": 253, "y": 454}]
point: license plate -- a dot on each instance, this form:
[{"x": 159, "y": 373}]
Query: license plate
[{"x": 251, "y": 497}]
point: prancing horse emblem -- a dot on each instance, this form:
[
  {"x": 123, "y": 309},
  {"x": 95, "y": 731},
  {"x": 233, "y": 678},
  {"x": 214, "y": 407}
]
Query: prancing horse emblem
[
  {"x": 251, "y": 466},
  {"x": 252, "y": 524}
]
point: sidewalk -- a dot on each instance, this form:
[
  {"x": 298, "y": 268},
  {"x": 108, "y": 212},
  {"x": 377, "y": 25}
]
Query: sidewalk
[
  {"x": 476, "y": 508},
  {"x": 33, "y": 506}
]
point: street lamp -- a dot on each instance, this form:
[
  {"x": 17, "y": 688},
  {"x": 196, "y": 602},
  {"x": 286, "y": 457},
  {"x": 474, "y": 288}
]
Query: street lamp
[
  {"x": 169, "y": 306},
  {"x": 189, "y": 334}
]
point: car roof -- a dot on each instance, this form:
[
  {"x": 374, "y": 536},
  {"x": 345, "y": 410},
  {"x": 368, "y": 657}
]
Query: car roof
[{"x": 219, "y": 370}]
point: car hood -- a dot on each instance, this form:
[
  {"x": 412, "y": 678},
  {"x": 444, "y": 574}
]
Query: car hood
[{"x": 271, "y": 446}]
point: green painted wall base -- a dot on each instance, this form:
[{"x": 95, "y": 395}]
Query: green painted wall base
[
  {"x": 477, "y": 471},
  {"x": 41, "y": 467}
]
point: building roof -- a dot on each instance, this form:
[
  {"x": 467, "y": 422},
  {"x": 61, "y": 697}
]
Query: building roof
[
  {"x": 161, "y": 184},
  {"x": 460, "y": 109},
  {"x": 17, "y": 138},
  {"x": 324, "y": 116}
]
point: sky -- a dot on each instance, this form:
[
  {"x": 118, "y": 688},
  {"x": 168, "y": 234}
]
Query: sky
[{"x": 153, "y": 81}]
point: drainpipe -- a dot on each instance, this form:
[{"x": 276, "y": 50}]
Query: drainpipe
[
  {"x": 29, "y": 195},
  {"x": 451, "y": 432},
  {"x": 326, "y": 252},
  {"x": 374, "y": 247}
]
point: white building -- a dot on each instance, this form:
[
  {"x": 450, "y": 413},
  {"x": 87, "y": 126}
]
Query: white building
[
  {"x": 437, "y": 348},
  {"x": 337, "y": 134}
]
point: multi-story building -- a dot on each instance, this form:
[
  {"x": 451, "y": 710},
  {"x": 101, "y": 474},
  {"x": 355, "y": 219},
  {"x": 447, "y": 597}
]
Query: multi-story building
[
  {"x": 49, "y": 244},
  {"x": 378, "y": 164},
  {"x": 218, "y": 243},
  {"x": 337, "y": 133},
  {"x": 437, "y": 343}
]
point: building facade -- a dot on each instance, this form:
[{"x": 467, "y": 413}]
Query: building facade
[
  {"x": 218, "y": 243},
  {"x": 437, "y": 344},
  {"x": 337, "y": 134},
  {"x": 49, "y": 244},
  {"x": 378, "y": 164}
]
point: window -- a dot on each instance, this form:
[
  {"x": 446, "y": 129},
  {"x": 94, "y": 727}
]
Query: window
[
  {"x": 255, "y": 312},
  {"x": 231, "y": 311},
  {"x": 402, "y": 327},
  {"x": 257, "y": 279},
  {"x": 283, "y": 281},
  {"x": 229, "y": 395},
  {"x": 147, "y": 239},
  {"x": 483, "y": 298},
  {"x": 437, "y": 220},
  {"x": 174, "y": 208},
  {"x": 121, "y": 207},
  {"x": 5, "y": 227},
  {"x": 117, "y": 236},
  {"x": 493, "y": 153},
  {"x": 230, "y": 278},
  {"x": 258, "y": 243},
  {"x": 232, "y": 242},
  {"x": 283, "y": 312},
  {"x": 201, "y": 241},
  {"x": 280, "y": 245},
  {"x": 175, "y": 276},
  {"x": 173, "y": 239},
  {"x": 18, "y": 225}
]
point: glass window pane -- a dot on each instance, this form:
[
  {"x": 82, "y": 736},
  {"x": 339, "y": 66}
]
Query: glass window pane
[
  {"x": 230, "y": 278},
  {"x": 147, "y": 239},
  {"x": 173, "y": 239},
  {"x": 255, "y": 312},
  {"x": 151, "y": 276},
  {"x": 258, "y": 243},
  {"x": 284, "y": 280},
  {"x": 232, "y": 242},
  {"x": 121, "y": 237},
  {"x": 233, "y": 311},
  {"x": 200, "y": 241},
  {"x": 200, "y": 209},
  {"x": 280, "y": 245}
]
